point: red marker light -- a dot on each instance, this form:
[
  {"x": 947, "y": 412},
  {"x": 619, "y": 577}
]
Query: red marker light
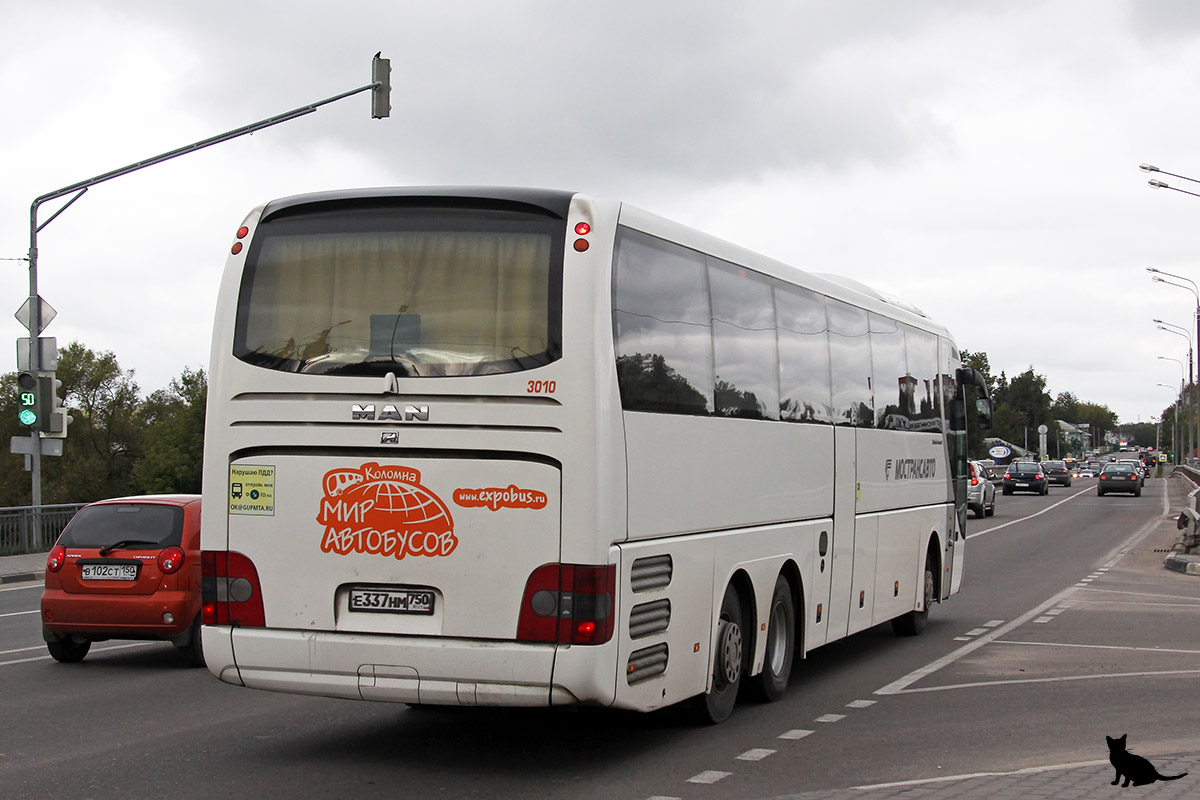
[
  {"x": 583, "y": 229},
  {"x": 242, "y": 231},
  {"x": 237, "y": 248},
  {"x": 56, "y": 558},
  {"x": 581, "y": 245}
]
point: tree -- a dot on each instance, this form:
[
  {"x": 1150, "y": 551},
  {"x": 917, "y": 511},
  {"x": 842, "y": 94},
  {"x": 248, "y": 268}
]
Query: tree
[
  {"x": 104, "y": 439},
  {"x": 174, "y": 440}
]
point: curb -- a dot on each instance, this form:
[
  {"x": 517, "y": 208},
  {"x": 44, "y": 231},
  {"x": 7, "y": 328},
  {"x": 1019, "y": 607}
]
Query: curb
[
  {"x": 1188, "y": 565},
  {"x": 20, "y": 577}
]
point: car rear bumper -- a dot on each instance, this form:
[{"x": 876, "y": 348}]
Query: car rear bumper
[{"x": 119, "y": 616}]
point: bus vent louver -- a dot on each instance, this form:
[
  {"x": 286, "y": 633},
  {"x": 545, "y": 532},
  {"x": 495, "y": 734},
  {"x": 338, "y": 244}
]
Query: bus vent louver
[
  {"x": 647, "y": 663},
  {"x": 652, "y": 572},
  {"x": 649, "y": 619}
]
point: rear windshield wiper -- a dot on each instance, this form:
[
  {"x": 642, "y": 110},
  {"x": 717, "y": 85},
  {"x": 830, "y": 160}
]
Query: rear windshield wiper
[{"x": 104, "y": 551}]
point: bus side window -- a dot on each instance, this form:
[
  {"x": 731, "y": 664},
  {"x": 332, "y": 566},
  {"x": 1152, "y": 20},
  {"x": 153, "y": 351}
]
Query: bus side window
[{"x": 662, "y": 325}]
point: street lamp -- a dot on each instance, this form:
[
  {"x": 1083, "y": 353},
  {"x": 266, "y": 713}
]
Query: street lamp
[
  {"x": 1187, "y": 431},
  {"x": 1175, "y": 432},
  {"x": 1191, "y": 286},
  {"x": 1157, "y": 184}
]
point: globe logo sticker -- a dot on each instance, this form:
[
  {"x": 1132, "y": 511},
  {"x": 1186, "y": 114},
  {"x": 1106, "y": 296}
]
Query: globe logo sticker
[{"x": 383, "y": 511}]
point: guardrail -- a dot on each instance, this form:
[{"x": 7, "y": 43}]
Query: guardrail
[{"x": 24, "y": 529}]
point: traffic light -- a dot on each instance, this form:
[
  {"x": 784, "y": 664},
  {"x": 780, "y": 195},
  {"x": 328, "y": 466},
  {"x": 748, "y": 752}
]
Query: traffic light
[
  {"x": 381, "y": 92},
  {"x": 57, "y": 418},
  {"x": 35, "y": 399},
  {"x": 27, "y": 399}
]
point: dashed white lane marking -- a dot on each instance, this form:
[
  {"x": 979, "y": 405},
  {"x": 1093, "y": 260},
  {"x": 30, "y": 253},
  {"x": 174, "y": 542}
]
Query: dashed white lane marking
[
  {"x": 977, "y": 631},
  {"x": 709, "y": 776},
  {"x": 795, "y": 734},
  {"x": 1043, "y": 619},
  {"x": 861, "y": 703},
  {"x": 21, "y": 613},
  {"x": 830, "y": 718},
  {"x": 757, "y": 754},
  {"x": 993, "y": 623},
  {"x": 962, "y": 638},
  {"x": 1063, "y": 598}
]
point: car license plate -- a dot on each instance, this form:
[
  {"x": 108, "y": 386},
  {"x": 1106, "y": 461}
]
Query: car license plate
[
  {"x": 1022, "y": 485},
  {"x": 109, "y": 572},
  {"x": 392, "y": 601}
]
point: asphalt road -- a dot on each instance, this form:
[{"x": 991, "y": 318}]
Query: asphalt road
[{"x": 1068, "y": 629}]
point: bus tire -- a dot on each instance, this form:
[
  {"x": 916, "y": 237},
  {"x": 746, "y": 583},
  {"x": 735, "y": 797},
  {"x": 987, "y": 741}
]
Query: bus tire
[
  {"x": 770, "y": 684},
  {"x": 912, "y": 623},
  {"x": 716, "y": 705}
]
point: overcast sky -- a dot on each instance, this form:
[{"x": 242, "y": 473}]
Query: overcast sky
[{"x": 977, "y": 159}]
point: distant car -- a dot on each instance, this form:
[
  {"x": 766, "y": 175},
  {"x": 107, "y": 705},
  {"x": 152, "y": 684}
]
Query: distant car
[
  {"x": 1025, "y": 476},
  {"x": 981, "y": 492},
  {"x": 1087, "y": 471},
  {"x": 126, "y": 568},
  {"x": 1119, "y": 477},
  {"x": 1057, "y": 472}
]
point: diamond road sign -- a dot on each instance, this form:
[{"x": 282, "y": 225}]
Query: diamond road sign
[{"x": 47, "y": 313}]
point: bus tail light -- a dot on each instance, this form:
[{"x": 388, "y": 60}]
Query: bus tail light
[
  {"x": 230, "y": 591},
  {"x": 568, "y": 604}
]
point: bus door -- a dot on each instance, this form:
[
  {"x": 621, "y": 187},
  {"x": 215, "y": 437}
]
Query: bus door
[{"x": 834, "y": 571}]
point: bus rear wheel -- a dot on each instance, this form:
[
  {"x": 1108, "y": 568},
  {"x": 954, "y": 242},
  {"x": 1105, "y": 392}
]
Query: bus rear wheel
[
  {"x": 770, "y": 684},
  {"x": 716, "y": 705}
]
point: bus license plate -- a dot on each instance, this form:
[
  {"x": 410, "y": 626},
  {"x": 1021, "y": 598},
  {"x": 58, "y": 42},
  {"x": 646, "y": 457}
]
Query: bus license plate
[
  {"x": 108, "y": 572},
  {"x": 392, "y": 601}
]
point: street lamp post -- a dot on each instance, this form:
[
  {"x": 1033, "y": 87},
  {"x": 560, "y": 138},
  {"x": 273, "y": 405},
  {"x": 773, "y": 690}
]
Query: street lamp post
[
  {"x": 1185, "y": 431},
  {"x": 1175, "y": 430},
  {"x": 1192, "y": 377}
]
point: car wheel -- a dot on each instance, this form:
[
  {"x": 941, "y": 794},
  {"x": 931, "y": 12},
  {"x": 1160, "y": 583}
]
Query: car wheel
[
  {"x": 990, "y": 511},
  {"x": 193, "y": 651},
  {"x": 1099, "y": 492},
  {"x": 1137, "y": 492},
  {"x": 729, "y": 655},
  {"x": 1068, "y": 481},
  {"x": 1006, "y": 491},
  {"x": 67, "y": 650},
  {"x": 770, "y": 684}
]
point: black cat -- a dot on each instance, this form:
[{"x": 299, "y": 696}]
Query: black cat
[{"x": 1134, "y": 768}]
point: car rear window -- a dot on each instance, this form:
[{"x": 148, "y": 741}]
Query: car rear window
[{"x": 144, "y": 526}]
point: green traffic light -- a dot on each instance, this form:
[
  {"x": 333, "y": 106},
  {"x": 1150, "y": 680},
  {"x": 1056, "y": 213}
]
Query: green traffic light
[{"x": 27, "y": 416}]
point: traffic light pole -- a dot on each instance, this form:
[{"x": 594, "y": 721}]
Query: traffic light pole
[{"x": 380, "y": 88}]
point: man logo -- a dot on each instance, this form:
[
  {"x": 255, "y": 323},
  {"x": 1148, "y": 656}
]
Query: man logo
[
  {"x": 390, "y": 413},
  {"x": 887, "y": 470}
]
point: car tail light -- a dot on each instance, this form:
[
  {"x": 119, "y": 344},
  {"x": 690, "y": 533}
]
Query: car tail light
[
  {"x": 230, "y": 590},
  {"x": 169, "y": 560},
  {"x": 568, "y": 604},
  {"x": 56, "y": 558}
]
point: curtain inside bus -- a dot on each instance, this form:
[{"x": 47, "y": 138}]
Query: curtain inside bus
[{"x": 349, "y": 300}]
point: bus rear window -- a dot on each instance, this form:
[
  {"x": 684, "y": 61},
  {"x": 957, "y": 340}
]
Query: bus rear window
[{"x": 414, "y": 291}]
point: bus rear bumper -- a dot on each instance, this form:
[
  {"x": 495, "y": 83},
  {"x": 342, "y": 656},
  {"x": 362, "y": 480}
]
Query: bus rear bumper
[{"x": 414, "y": 670}]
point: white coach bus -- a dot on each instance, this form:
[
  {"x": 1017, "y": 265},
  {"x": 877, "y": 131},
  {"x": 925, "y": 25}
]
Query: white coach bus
[{"x": 533, "y": 448}]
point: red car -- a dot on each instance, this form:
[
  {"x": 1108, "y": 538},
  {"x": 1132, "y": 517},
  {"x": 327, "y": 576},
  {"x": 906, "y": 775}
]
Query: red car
[{"x": 126, "y": 568}]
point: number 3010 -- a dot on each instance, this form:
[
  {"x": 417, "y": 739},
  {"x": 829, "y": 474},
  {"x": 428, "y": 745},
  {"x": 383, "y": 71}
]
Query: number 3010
[{"x": 542, "y": 387}]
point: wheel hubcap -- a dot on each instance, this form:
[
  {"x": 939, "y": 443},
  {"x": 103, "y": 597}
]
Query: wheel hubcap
[{"x": 729, "y": 656}]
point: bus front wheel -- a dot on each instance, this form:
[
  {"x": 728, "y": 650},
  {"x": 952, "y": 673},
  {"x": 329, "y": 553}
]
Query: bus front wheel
[
  {"x": 716, "y": 705},
  {"x": 912, "y": 623}
]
